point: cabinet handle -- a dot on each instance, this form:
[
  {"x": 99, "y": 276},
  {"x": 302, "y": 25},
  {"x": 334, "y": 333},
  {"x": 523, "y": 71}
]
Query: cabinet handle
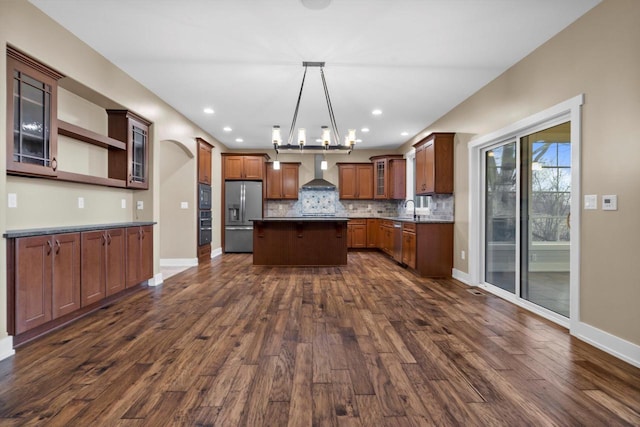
[
  {"x": 130, "y": 178},
  {"x": 57, "y": 246},
  {"x": 141, "y": 234},
  {"x": 54, "y": 164},
  {"x": 102, "y": 239},
  {"x": 48, "y": 247},
  {"x": 108, "y": 239}
]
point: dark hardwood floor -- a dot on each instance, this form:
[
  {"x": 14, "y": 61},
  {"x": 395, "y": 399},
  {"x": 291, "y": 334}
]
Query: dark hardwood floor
[{"x": 369, "y": 344}]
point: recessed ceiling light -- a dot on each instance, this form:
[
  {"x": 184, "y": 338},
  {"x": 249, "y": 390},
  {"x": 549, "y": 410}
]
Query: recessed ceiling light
[
  {"x": 376, "y": 112},
  {"x": 227, "y": 129},
  {"x": 239, "y": 140},
  {"x": 365, "y": 130},
  {"x": 315, "y": 4},
  {"x": 209, "y": 110},
  {"x": 404, "y": 133}
]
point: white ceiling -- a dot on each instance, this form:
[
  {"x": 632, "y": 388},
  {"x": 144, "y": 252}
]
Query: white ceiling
[{"x": 413, "y": 59}]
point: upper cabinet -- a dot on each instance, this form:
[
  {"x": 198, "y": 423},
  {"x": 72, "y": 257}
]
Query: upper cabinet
[
  {"x": 131, "y": 164},
  {"x": 204, "y": 161},
  {"x": 389, "y": 177},
  {"x": 283, "y": 183},
  {"x": 249, "y": 166},
  {"x": 355, "y": 180},
  {"x": 434, "y": 164},
  {"x": 32, "y": 133}
]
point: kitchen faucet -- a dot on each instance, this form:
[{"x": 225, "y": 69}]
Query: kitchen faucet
[{"x": 414, "y": 206}]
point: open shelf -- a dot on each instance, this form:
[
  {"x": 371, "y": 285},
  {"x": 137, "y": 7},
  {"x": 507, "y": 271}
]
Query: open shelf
[
  {"x": 85, "y": 135},
  {"x": 89, "y": 179}
]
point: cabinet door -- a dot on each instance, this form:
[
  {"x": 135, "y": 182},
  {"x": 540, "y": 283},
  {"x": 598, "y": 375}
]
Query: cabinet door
[
  {"x": 204, "y": 162},
  {"x": 373, "y": 226},
  {"x": 115, "y": 261},
  {"x": 133, "y": 256},
  {"x": 131, "y": 164},
  {"x": 429, "y": 168},
  {"x": 347, "y": 181},
  {"x": 66, "y": 274},
  {"x": 397, "y": 179},
  {"x": 138, "y": 154},
  {"x": 33, "y": 269},
  {"x": 253, "y": 167},
  {"x": 421, "y": 181},
  {"x": 409, "y": 249},
  {"x": 92, "y": 280},
  {"x": 32, "y": 142},
  {"x": 365, "y": 181},
  {"x": 289, "y": 174},
  {"x": 233, "y": 167},
  {"x": 359, "y": 236},
  {"x": 146, "y": 253},
  {"x": 274, "y": 182},
  {"x": 380, "y": 179}
]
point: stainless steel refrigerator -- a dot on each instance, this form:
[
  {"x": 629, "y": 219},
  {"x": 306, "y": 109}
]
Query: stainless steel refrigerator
[{"x": 243, "y": 201}]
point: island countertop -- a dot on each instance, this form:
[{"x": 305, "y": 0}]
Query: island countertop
[{"x": 301, "y": 219}]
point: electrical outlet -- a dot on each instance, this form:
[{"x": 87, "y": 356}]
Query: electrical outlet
[
  {"x": 123, "y": 203},
  {"x": 140, "y": 205},
  {"x": 463, "y": 254},
  {"x": 184, "y": 205},
  {"x": 80, "y": 202},
  {"x": 12, "y": 199}
]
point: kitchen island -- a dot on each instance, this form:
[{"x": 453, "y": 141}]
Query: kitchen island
[{"x": 300, "y": 241}]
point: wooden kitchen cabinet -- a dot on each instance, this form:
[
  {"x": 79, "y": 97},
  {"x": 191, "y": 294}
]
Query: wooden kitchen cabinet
[
  {"x": 103, "y": 264},
  {"x": 357, "y": 233},
  {"x": 409, "y": 244},
  {"x": 47, "y": 279},
  {"x": 32, "y": 133},
  {"x": 373, "y": 225},
  {"x": 389, "y": 177},
  {"x": 132, "y": 164},
  {"x": 434, "y": 164},
  {"x": 386, "y": 236},
  {"x": 283, "y": 183},
  {"x": 355, "y": 180},
  {"x": 434, "y": 249},
  {"x": 205, "y": 151},
  {"x": 139, "y": 249},
  {"x": 249, "y": 167}
]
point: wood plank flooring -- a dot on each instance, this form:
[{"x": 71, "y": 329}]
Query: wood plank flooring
[{"x": 368, "y": 344}]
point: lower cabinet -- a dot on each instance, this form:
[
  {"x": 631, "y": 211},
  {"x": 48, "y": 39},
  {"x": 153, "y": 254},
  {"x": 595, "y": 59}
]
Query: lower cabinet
[
  {"x": 357, "y": 233},
  {"x": 139, "y": 254},
  {"x": 68, "y": 274},
  {"x": 103, "y": 264},
  {"x": 409, "y": 245},
  {"x": 47, "y": 279}
]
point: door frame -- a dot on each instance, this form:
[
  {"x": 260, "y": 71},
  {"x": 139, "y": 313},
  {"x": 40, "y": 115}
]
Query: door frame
[{"x": 569, "y": 110}]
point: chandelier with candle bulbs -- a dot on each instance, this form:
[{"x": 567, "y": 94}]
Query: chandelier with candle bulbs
[{"x": 326, "y": 139}]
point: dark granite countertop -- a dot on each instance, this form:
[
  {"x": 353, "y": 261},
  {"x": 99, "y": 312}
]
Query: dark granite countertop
[
  {"x": 29, "y": 232},
  {"x": 301, "y": 219}
]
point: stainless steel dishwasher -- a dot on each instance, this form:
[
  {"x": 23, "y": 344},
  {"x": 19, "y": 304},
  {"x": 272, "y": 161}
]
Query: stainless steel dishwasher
[{"x": 397, "y": 241}]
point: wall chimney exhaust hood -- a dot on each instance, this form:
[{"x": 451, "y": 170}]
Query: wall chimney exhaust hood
[{"x": 318, "y": 183}]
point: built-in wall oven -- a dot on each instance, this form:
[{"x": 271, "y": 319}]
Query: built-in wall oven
[
  {"x": 205, "y": 228},
  {"x": 204, "y": 196}
]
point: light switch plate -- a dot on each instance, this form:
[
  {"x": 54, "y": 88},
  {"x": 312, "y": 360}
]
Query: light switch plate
[
  {"x": 610, "y": 202},
  {"x": 184, "y": 205},
  {"x": 591, "y": 201},
  {"x": 123, "y": 203},
  {"x": 12, "y": 199},
  {"x": 80, "y": 202}
]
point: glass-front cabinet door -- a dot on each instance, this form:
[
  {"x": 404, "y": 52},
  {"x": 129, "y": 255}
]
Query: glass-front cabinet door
[
  {"x": 31, "y": 116},
  {"x": 132, "y": 164}
]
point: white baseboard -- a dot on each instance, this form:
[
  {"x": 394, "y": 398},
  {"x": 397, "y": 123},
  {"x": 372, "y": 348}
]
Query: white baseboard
[
  {"x": 616, "y": 346},
  {"x": 156, "y": 280},
  {"x": 178, "y": 262},
  {"x": 6, "y": 347},
  {"x": 461, "y": 276},
  {"x": 216, "y": 252}
]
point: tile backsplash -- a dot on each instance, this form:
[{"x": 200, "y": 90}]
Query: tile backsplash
[{"x": 327, "y": 203}]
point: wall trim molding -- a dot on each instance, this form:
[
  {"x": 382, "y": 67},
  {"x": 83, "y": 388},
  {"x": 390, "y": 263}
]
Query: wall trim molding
[
  {"x": 178, "y": 262},
  {"x": 216, "y": 252},
  {"x": 609, "y": 343},
  {"x": 6, "y": 347},
  {"x": 461, "y": 276},
  {"x": 156, "y": 280}
]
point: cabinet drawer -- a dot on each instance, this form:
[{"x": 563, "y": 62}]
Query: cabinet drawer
[
  {"x": 409, "y": 227},
  {"x": 357, "y": 222}
]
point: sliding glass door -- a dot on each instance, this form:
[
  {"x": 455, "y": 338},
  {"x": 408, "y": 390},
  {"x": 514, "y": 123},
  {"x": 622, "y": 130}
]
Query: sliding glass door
[{"x": 527, "y": 194}]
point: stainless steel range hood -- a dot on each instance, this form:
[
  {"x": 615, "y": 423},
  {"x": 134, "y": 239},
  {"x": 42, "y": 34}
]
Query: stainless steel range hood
[{"x": 318, "y": 183}]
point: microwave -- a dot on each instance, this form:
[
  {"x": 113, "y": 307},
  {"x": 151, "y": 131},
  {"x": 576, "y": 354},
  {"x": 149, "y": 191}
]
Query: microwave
[{"x": 204, "y": 196}]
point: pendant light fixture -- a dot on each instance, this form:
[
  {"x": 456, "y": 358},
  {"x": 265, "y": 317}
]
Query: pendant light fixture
[{"x": 301, "y": 143}]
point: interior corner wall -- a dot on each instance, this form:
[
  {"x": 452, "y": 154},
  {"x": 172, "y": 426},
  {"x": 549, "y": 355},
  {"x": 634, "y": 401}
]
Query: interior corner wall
[{"x": 596, "y": 56}]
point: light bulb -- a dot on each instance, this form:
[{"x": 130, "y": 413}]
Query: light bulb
[
  {"x": 276, "y": 137},
  {"x": 302, "y": 136},
  {"x": 276, "y": 165}
]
